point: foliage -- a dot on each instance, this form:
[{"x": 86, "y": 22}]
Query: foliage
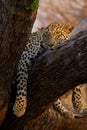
[{"x": 33, "y": 6}]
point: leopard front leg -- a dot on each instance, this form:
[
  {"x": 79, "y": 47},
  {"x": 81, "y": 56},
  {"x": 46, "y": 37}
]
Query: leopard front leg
[
  {"x": 20, "y": 105},
  {"x": 58, "y": 106},
  {"x": 76, "y": 99}
]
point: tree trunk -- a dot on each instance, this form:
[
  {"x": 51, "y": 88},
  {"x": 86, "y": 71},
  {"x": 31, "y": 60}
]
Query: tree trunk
[
  {"x": 16, "y": 22},
  {"x": 53, "y": 74}
]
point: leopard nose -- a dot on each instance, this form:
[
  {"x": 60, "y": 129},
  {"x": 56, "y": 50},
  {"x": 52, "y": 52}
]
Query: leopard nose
[{"x": 50, "y": 46}]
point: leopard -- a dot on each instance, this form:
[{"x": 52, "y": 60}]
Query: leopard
[{"x": 46, "y": 38}]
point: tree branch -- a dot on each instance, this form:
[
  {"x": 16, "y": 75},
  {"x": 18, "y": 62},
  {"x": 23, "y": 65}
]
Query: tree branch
[{"x": 55, "y": 72}]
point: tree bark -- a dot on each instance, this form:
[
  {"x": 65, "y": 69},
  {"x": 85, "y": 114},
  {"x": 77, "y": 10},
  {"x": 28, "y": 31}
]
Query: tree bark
[
  {"x": 52, "y": 75},
  {"x": 15, "y": 25}
]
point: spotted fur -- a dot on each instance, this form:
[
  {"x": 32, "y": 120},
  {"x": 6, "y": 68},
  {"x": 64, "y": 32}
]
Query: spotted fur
[
  {"x": 76, "y": 99},
  {"x": 49, "y": 38},
  {"x": 58, "y": 106}
]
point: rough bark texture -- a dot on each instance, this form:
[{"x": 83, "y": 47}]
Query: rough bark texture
[
  {"x": 53, "y": 74},
  {"x": 15, "y": 24}
]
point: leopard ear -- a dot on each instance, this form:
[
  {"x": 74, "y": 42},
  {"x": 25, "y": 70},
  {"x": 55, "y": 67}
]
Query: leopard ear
[{"x": 71, "y": 27}]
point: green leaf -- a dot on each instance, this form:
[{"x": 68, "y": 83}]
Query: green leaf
[{"x": 33, "y": 6}]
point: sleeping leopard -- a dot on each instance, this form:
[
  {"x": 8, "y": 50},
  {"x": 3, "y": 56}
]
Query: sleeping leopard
[{"x": 46, "y": 38}]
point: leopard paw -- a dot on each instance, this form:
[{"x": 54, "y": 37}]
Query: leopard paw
[{"x": 19, "y": 107}]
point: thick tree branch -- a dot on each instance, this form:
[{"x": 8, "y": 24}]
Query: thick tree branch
[{"x": 53, "y": 74}]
